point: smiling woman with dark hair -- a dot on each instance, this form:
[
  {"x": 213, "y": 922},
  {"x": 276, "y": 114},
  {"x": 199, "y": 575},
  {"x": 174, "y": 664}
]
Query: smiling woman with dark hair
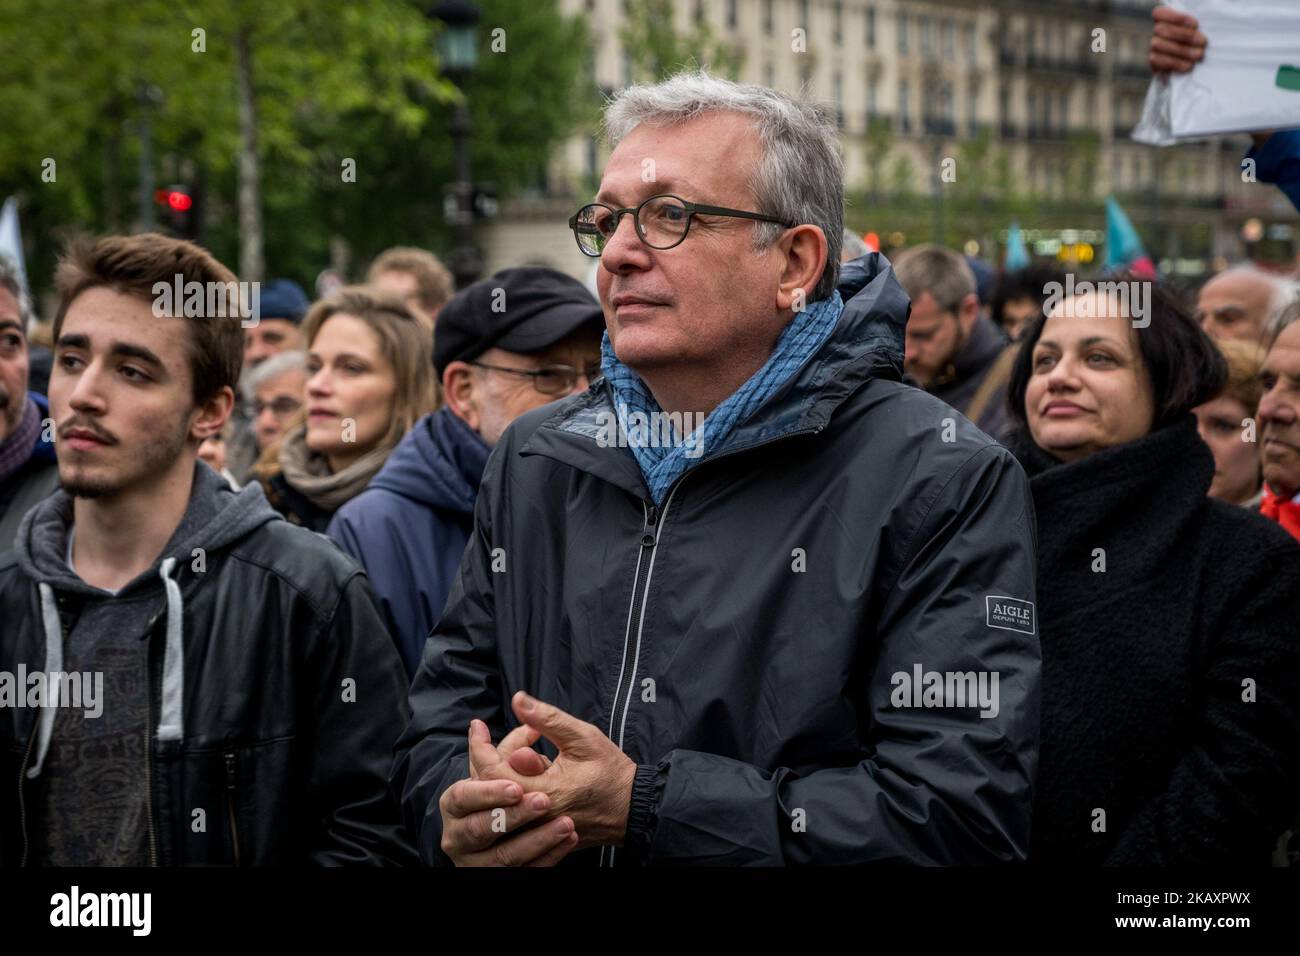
[{"x": 1171, "y": 669}]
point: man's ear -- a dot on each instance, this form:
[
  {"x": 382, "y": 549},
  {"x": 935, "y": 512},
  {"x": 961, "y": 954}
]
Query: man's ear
[
  {"x": 458, "y": 391},
  {"x": 804, "y": 250},
  {"x": 968, "y": 313},
  {"x": 210, "y": 417}
]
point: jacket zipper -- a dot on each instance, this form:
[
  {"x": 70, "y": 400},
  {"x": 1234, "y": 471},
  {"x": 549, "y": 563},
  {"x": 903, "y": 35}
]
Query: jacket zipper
[
  {"x": 649, "y": 546},
  {"x": 148, "y": 763},
  {"x": 22, "y": 771},
  {"x": 650, "y": 543},
  {"x": 231, "y": 780}
]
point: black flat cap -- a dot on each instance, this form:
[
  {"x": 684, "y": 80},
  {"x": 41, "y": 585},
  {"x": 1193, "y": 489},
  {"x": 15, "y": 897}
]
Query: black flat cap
[{"x": 525, "y": 309}]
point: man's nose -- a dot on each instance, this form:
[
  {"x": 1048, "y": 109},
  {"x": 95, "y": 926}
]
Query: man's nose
[
  {"x": 1273, "y": 409},
  {"x": 87, "y": 394},
  {"x": 624, "y": 249}
]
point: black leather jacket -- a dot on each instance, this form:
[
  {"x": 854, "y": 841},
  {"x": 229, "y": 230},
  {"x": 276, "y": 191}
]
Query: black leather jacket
[{"x": 292, "y": 698}]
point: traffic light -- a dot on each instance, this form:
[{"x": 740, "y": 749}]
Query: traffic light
[{"x": 179, "y": 205}]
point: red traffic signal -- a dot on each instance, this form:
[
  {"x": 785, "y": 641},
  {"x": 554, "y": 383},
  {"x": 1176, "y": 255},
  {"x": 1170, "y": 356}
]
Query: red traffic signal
[{"x": 175, "y": 199}]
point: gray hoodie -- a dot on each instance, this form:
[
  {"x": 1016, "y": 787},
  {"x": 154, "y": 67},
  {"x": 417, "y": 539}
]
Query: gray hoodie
[{"x": 95, "y": 795}]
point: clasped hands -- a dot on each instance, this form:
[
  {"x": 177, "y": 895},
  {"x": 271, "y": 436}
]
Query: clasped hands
[{"x": 519, "y": 808}]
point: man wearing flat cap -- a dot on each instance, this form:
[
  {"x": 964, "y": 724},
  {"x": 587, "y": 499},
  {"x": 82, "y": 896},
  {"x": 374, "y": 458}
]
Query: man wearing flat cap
[{"x": 504, "y": 346}]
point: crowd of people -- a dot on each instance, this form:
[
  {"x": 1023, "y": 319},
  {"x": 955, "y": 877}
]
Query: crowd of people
[{"x": 951, "y": 570}]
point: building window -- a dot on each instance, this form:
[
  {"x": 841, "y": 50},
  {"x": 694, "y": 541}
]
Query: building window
[
  {"x": 902, "y": 33},
  {"x": 871, "y": 28},
  {"x": 767, "y": 17},
  {"x": 700, "y": 14},
  {"x": 972, "y": 54},
  {"x": 871, "y": 101},
  {"x": 837, "y": 94},
  {"x": 733, "y": 14},
  {"x": 805, "y": 20},
  {"x": 769, "y": 76},
  {"x": 972, "y": 109},
  {"x": 927, "y": 36},
  {"x": 838, "y": 20},
  {"x": 905, "y": 106},
  {"x": 949, "y": 39}
]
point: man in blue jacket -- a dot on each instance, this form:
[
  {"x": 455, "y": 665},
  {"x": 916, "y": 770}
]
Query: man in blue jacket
[{"x": 505, "y": 345}]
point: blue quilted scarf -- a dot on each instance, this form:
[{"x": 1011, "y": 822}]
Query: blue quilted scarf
[{"x": 662, "y": 463}]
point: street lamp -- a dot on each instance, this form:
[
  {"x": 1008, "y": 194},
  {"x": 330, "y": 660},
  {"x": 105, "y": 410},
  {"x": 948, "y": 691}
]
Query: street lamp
[
  {"x": 147, "y": 96},
  {"x": 457, "y": 49}
]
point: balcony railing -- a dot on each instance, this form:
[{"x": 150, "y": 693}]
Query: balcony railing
[
  {"x": 1043, "y": 131},
  {"x": 938, "y": 126},
  {"x": 1079, "y": 65}
]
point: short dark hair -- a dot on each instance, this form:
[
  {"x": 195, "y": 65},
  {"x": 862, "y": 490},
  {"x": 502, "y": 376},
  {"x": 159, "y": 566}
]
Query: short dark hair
[
  {"x": 1184, "y": 366},
  {"x": 1030, "y": 283},
  {"x": 132, "y": 265}
]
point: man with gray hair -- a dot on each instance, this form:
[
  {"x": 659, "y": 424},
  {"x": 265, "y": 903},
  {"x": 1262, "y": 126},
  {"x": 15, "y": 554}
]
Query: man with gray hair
[
  {"x": 954, "y": 352},
  {"x": 28, "y": 471},
  {"x": 1241, "y": 302},
  {"x": 1279, "y": 421},
  {"x": 743, "y": 601}
]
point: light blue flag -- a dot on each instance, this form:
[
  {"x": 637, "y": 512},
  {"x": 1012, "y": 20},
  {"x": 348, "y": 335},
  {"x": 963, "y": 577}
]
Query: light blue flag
[
  {"x": 1123, "y": 245},
  {"x": 1017, "y": 252}
]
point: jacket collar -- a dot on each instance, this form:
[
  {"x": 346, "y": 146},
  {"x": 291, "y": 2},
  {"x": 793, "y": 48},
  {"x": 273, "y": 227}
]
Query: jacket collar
[
  {"x": 867, "y": 343},
  {"x": 1166, "y": 473}
]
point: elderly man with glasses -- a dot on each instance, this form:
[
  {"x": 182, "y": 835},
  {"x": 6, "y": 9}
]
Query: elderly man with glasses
[
  {"x": 504, "y": 346},
  {"x": 804, "y": 632}
]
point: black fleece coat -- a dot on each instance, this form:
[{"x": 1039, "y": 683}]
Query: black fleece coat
[{"x": 1171, "y": 680}]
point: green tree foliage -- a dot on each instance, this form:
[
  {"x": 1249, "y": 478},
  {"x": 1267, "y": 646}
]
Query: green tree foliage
[{"x": 332, "y": 80}]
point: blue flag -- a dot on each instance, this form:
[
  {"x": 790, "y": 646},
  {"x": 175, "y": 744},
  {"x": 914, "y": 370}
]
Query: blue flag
[
  {"x": 1017, "y": 252},
  {"x": 1123, "y": 245}
]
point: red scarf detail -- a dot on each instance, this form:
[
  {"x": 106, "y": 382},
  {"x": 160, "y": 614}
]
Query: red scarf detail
[{"x": 1285, "y": 513}]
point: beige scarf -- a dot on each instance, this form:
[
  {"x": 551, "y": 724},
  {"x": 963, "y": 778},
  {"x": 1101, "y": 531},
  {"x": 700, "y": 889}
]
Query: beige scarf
[{"x": 308, "y": 472}]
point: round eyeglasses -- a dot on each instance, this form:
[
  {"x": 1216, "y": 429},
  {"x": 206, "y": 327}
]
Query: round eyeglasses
[
  {"x": 661, "y": 222},
  {"x": 549, "y": 379}
]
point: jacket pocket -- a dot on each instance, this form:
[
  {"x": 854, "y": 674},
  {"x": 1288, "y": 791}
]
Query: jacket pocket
[{"x": 231, "y": 765}]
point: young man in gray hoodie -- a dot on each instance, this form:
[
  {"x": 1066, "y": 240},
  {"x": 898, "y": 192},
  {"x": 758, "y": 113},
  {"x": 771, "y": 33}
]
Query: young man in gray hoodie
[{"x": 184, "y": 678}]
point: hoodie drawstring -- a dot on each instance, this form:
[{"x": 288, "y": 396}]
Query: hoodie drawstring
[
  {"x": 171, "y": 723},
  {"x": 53, "y": 667}
]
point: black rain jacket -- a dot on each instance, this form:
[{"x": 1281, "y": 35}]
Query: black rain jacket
[{"x": 753, "y": 644}]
